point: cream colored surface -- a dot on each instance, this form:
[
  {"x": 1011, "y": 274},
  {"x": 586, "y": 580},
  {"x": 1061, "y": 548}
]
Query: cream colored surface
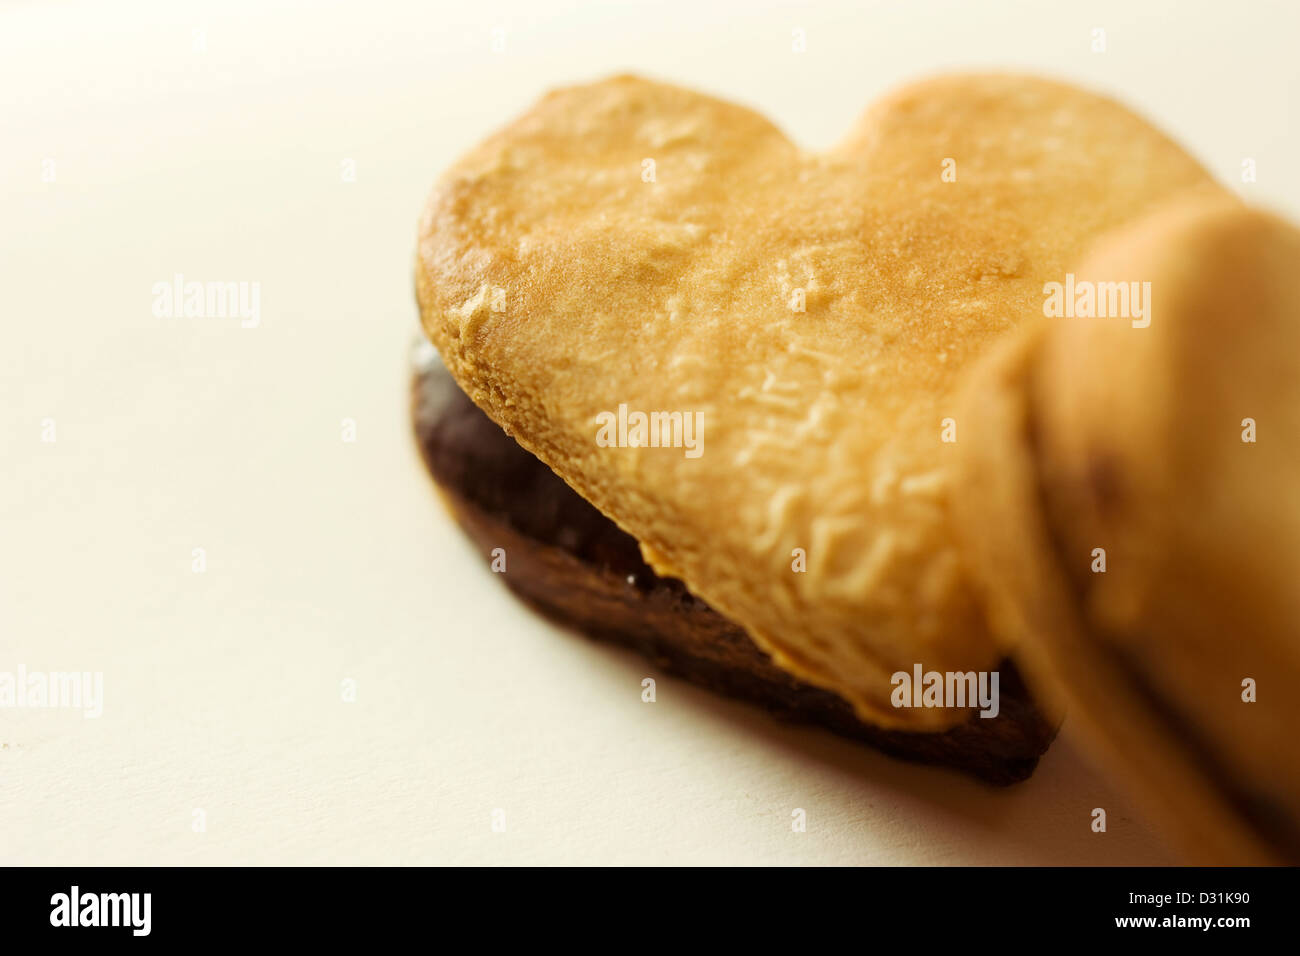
[
  {"x": 822, "y": 427},
  {"x": 328, "y": 560}
]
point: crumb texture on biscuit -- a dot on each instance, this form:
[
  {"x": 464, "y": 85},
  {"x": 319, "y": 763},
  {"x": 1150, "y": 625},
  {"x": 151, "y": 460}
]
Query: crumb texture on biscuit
[
  {"x": 633, "y": 243},
  {"x": 573, "y": 564}
]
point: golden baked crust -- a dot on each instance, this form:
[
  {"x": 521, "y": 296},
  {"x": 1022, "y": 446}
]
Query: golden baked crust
[
  {"x": 558, "y": 284},
  {"x": 1090, "y": 433}
]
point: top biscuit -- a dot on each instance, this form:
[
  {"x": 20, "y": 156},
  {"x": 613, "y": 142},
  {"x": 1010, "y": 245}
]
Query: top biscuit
[{"x": 816, "y": 310}]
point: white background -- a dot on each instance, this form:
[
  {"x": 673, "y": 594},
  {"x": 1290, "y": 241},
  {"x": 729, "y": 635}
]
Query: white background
[{"x": 328, "y": 560}]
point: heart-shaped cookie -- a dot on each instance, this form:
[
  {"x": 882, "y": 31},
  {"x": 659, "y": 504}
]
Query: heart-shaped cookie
[{"x": 630, "y": 247}]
